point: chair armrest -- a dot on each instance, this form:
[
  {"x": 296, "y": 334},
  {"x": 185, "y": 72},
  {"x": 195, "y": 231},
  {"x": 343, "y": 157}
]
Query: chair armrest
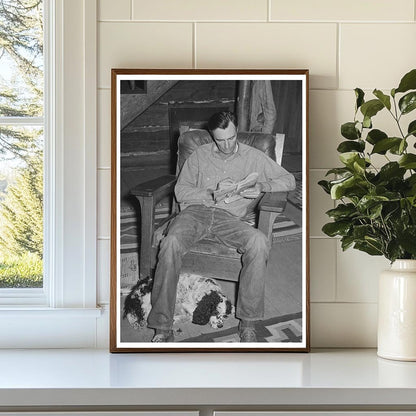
[
  {"x": 155, "y": 188},
  {"x": 273, "y": 202},
  {"x": 269, "y": 207}
]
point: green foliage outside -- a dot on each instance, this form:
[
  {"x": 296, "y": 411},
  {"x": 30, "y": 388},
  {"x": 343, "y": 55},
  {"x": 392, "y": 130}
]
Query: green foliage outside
[
  {"x": 21, "y": 271},
  {"x": 21, "y": 95},
  {"x": 376, "y": 210}
]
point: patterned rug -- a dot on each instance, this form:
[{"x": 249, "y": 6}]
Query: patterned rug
[{"x": 287, "y": 328}]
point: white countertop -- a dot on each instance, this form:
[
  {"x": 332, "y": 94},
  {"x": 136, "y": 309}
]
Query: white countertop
[{"x": 96, "y": 377}]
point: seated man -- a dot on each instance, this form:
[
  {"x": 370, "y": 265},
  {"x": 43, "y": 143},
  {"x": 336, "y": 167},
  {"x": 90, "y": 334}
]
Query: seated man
[{"x": 225, "y": 161}]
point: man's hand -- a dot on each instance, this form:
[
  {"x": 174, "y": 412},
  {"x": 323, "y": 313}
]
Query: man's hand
[{"x": 253, "y": 192}]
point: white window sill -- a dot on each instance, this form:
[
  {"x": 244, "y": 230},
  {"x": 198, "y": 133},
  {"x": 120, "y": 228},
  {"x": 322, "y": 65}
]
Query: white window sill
[
  {"x": 40, "y": 327},
  {"x": 331, "y": 379},
  {"x": 40, "y": 311}
]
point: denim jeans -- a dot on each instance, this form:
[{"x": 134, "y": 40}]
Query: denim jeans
[{"x": 192, "y": 224}]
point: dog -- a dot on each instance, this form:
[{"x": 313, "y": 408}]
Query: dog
[{"x": 197, "y": 298}]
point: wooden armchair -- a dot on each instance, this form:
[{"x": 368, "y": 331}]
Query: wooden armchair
[{"x": 208, "y": 257}]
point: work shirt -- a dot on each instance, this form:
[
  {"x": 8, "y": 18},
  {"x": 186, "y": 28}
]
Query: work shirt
[{"x": 205, "y": 168}]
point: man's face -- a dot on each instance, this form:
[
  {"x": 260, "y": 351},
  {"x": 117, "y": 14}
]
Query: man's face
[{"x": 226, "y": 139}]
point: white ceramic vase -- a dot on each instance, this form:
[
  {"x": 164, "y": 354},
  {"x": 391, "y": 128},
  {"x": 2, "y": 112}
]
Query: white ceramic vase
[{"x": 397, "y": 312}]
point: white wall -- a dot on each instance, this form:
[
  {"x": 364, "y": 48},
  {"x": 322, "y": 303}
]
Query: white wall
[{"x": 345, "y": 44}]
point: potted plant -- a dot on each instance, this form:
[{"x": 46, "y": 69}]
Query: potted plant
[{"x": 376, "y": 207}]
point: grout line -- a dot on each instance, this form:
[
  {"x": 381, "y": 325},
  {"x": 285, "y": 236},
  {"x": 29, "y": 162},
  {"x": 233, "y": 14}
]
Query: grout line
[
  {"x": 345, "y": 303},
  {"x": 323, "y": 237},
  {"x": 310, "y": 22},
  {"x": 194, "y": 62},
  {"x": 269, "y": 10},
  {"x": 338, "y": 63},
  {"x": 336, "y": 270}
]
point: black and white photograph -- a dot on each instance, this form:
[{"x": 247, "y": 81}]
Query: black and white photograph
[{"x": 209, "y": 216}]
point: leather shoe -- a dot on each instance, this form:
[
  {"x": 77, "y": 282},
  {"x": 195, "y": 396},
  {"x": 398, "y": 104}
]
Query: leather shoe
[
  {"x": 248, "y": 334},
  {"x": 163, "y": 336}
]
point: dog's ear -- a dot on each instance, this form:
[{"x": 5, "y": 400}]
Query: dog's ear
[
  {"x": 228, "y": 307},
  {"x": 205, "y": 308},
  {"x": 133, "y": 304},
  {"x": 201, "y": 313}
]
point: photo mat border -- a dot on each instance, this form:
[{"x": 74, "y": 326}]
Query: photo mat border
[{"x": 115, "y": 307}]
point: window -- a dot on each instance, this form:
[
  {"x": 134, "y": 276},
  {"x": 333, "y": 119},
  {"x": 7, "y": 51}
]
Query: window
[
  {"x": 63, "y": 312},
  {"x": 22, "y": 132}
]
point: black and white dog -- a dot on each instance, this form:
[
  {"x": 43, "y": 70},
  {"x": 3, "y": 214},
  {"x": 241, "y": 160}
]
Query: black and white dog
[{"x": 198, "y": 298}]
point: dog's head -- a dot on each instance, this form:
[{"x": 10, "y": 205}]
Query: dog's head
[
  {"x": 213, "y": 308},
  {"x": 137, "y": 303}
]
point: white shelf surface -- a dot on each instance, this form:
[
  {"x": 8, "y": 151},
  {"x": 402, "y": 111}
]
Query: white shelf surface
[{"x": 96, "y": 377}]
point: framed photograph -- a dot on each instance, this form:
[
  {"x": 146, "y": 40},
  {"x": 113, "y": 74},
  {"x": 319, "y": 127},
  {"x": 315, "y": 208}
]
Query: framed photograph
[{"x": 209, "y": 214}]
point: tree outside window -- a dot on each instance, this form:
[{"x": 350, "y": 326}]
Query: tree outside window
[{"x": 21, "y": 143}]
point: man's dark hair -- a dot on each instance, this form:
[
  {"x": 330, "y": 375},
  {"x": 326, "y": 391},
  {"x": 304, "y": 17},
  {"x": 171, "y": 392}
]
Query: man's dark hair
[{"x": 221, "y": 120}]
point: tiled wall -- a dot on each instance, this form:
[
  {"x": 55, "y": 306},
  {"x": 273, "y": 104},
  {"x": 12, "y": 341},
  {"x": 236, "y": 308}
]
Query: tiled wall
[{"x": 344, "y": 43}]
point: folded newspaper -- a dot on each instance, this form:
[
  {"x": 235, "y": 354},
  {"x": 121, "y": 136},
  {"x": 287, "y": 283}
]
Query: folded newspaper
[{"x": 229, "y": 191}]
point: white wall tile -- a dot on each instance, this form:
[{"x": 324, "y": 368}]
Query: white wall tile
[
  {"x": 104, "y": 129},
  {"x": 320, "y": 202},
  {"x": 273, "y": 46},
  {"x": 376, "y": 55},
  {"x": 349, "y": 325},
  {"x": 342, "y": 10},
  {"x": 200, "y": 10},
  {"x": 103, "y": 271},
  {"x": 371, "y": 55},
  {"x": 323, "y": 269},
  {"x": 114, "y": 10},
  {"x": 104, "y": 202},
  {"x": 357, "y": 275},
  {"x": 142, "y": 45},
  {"x": 328, "y": 110}
]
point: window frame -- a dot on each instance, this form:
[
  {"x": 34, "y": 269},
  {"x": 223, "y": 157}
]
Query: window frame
[{"x": 70, "y": 171}]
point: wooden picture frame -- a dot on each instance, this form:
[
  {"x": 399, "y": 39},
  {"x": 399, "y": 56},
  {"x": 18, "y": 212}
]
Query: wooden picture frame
[{"x": 148, "y": 114}]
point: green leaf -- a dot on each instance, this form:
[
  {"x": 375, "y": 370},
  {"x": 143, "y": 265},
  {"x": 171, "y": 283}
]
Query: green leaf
[
  {"x": 348, "y": 158},
  {"x": 359, "y": 165},
  {"x": 325, "y": 186},
  {"x": 375, "y": 211},
  {"x": 367, "y": 122},
  {"x": 385, "y": 99},
  {"x": 350, "y": 146},
  {"x": 346, "y": 242},
  {"x": 361, "y": 231},
  {"x": 342, "y": 211},
  {"x": 371, "y": 108},
  {"x": 368, "y": 201},
  {"x": 336, "y": 228},
  {"x": 408, "y": 82},
  {"x": 349, "y": 131},
  {"x": 408, "y": 161},
  {"x": 338, "y": 171},
  {"x": 394, "y": 251},
  {"x": 359, "y": 94},
  {"x": 375, "y": 136},
  {"x": 398, "y": 149},
  {"x": 368, "y": 248},
  {"x": 411, "y": 130},
  {"x": 383, "y": 145},
  {"x": 338, "y": 190},
  {"x": 391, "y": 170},
  {"x": 408, "y": 102},
  {"x": 407, "y": 240}
]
